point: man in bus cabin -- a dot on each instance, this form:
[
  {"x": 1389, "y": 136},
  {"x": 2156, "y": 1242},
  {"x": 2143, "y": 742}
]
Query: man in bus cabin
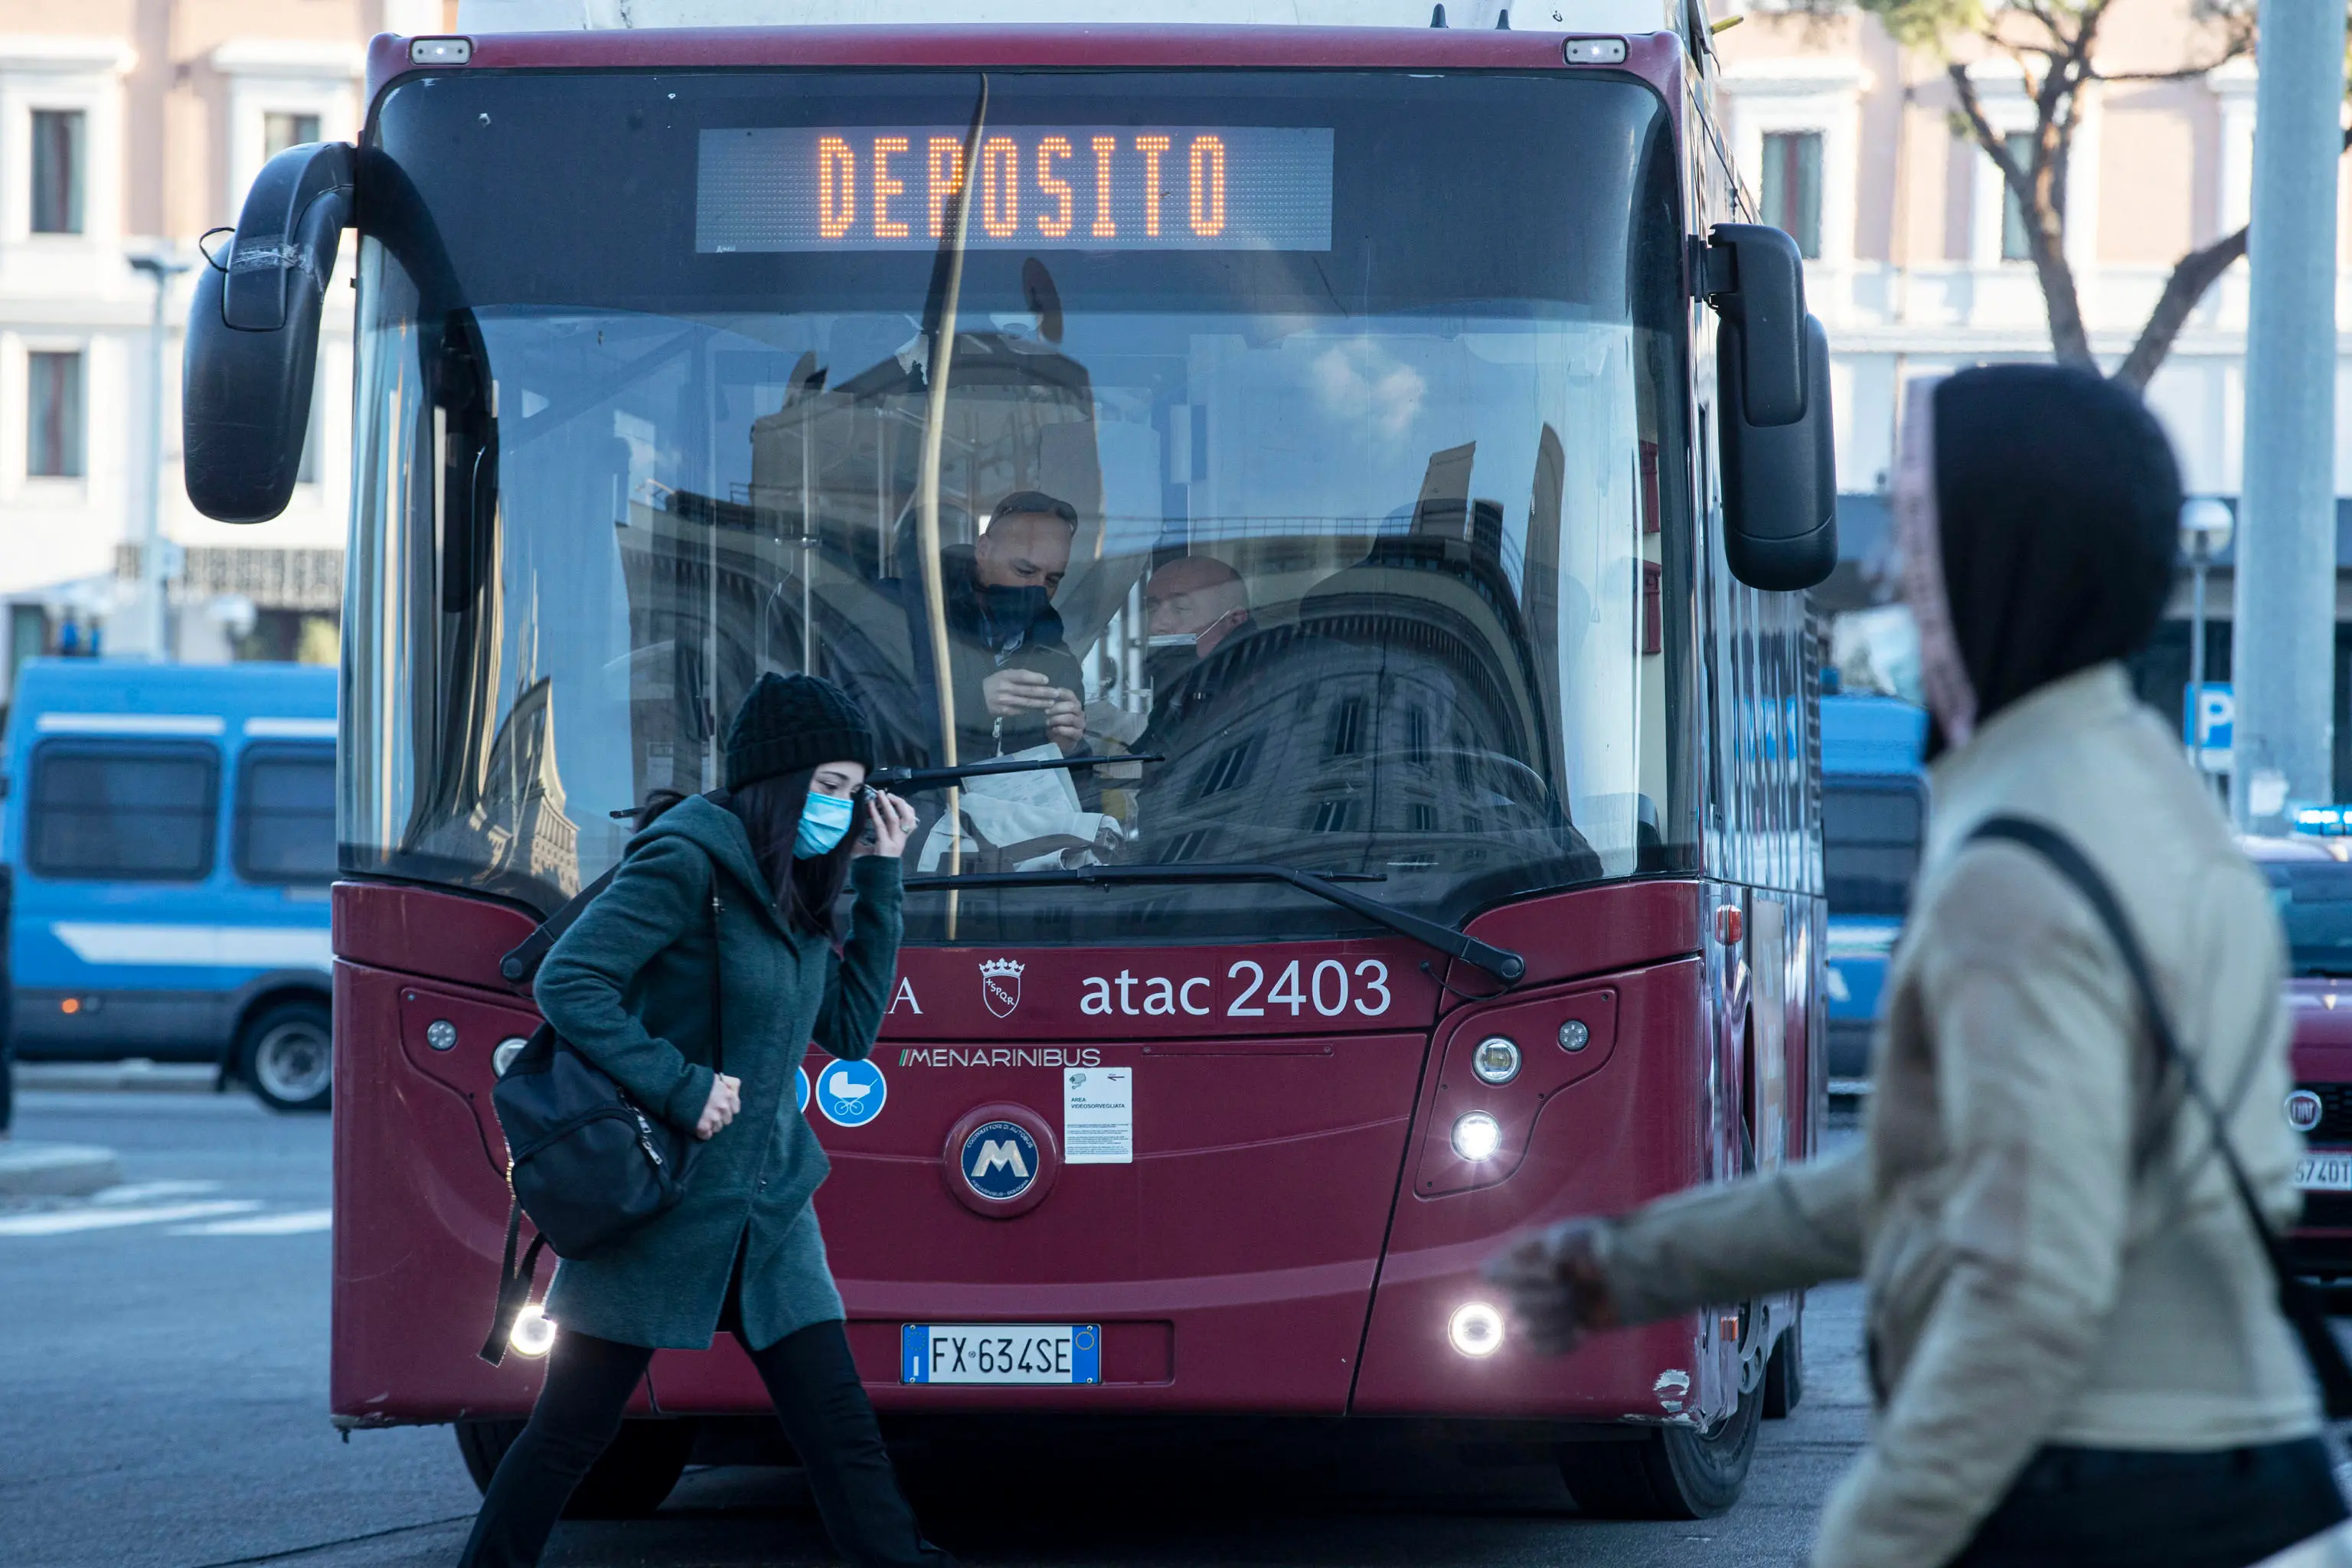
[
  {"x": 1194, "y": 606},
  {"x": 1015, "y": 682}
]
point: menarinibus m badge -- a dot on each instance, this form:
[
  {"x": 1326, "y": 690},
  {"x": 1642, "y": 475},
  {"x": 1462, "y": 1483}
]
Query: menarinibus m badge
[{"x": 1000, "y": 984}]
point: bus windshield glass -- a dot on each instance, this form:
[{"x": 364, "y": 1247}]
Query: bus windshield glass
[{"x": 1322, "y": 435}]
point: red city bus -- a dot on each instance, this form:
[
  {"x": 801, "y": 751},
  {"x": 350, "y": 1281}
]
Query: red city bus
[{"x": 1467, "y": 877}]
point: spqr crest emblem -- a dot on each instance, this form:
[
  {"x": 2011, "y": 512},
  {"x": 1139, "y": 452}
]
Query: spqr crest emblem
[{"x": 1000, "y": 984}]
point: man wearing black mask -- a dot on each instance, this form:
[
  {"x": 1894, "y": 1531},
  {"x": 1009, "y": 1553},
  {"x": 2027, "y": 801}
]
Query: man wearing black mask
[{"x": 1015, "y": 682}]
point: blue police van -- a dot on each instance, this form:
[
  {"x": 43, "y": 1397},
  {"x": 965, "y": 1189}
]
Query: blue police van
[
  {"x": 1873, "y": 821},
  {"x": 169, "y": 834}
]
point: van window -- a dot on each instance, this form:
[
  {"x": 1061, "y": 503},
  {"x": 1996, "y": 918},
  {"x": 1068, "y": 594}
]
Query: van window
[
  {"x": 286, "y": 815},
  {"x": 1870, "y": 844},
  {"x": 123, "y": 810}
]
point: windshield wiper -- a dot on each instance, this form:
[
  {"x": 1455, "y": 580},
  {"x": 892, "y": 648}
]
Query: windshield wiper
[
  {"x": 1500, "y": 963},
  {"x": 906, "y": 781}
]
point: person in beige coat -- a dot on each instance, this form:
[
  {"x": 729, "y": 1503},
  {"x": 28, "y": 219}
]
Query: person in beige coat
[{"x": 2072, "y": 1334}]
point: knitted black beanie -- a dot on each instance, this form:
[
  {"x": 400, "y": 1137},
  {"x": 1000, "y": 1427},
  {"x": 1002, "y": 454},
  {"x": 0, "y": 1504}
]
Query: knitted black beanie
[{"x": 788, "y": 723}]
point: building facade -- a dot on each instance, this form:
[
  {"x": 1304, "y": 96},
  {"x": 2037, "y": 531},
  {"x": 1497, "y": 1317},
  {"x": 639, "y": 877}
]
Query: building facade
[
  {"x": 128, "y": 129},
  {"x": 1917, "y": 255}
]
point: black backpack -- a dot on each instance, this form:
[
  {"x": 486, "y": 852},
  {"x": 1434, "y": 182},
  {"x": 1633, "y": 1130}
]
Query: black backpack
[{"x": 584, "y": 1160}]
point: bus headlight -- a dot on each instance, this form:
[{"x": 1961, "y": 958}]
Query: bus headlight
[
  {"x": 1497, "y": 1060},
  {"x": 533, "y": 1333},
  {"x": 1476, "y": 1136},
  {"x": 1475, "y": 1330}
]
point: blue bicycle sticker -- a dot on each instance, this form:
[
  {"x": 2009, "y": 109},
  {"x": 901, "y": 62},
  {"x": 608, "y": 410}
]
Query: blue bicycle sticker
[{"x": 851, "y": 1093}]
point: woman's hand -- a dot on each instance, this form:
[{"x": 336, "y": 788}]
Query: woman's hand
[
  {"x": 893, "y": 821},
  {"x": 726, "y": 1099},
  {"x": 1558, "y": 1291}
]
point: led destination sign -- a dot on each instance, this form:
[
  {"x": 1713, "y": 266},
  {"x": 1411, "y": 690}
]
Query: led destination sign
[{"x": 1075, "y": 187}]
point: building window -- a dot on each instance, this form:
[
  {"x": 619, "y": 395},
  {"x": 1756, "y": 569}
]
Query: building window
[
  {"x": 53, "y": 416},
  {"x": 1230, "y": 769},
  {"x": 286, "y": 815},
  {"x": 123, "y": 811},
  {"x": 1416, "y": 737},
  {"x": 279, "y": 131},
  {"x": 1793, "y": 187},
  {"x": 1330, "y": 816},
  {"x": 1423, "y": 818},
  {"x": 58, "y": 169},
  {"x": 2014, "y": 243},
  {"x": 1184, "y": 846},
  {"x": 1346, "y": 736}
]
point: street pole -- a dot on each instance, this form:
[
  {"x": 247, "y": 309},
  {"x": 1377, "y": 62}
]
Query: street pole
[
  {"x": 2281, "y": 659},
  {"x": 161, "y": 268},
  {"x": 2205, "y": 529},
  {"x": 2197, "y": 665}
]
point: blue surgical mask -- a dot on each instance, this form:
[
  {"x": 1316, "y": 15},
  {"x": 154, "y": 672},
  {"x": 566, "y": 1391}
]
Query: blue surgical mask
[{"x": 823, "y": 819}]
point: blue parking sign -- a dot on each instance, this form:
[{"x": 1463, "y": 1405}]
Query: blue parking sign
[{"x": 2208, "y": 720}]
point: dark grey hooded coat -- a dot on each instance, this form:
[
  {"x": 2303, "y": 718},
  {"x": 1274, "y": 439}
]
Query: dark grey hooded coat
[{"x": 629, "y": 984}]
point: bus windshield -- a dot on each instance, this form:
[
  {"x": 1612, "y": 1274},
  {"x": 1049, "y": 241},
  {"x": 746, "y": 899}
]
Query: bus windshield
[{"x": 1321, "y": 436}]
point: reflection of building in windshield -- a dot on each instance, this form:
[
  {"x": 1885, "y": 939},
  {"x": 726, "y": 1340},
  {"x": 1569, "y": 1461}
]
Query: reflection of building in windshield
[
  {"x": 814, "y": 565},
  {"x": 512, "y": 821},
  {"x": 1393, "y": 719}
]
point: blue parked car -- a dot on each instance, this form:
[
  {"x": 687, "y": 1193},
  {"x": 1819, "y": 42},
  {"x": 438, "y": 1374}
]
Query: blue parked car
[
  {"x": 169, "y": 834},
  {"x": 1874, "y": 818}
]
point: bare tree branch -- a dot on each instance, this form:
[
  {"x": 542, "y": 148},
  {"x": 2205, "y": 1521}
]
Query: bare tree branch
[
  {"x": 2040, "y": 193},
  {"x": 2192, "y": 275},
  {"x": 2186, "y": 73},
  {"x": 2052, "y": 44}
]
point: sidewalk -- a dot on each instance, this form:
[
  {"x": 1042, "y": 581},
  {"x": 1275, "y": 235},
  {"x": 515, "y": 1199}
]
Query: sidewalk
[
  {"x": 54, "y": 1170},
  {"x": 132, "y": 1072}
]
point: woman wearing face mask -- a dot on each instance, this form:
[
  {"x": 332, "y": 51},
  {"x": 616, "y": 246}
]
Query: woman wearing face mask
[
  {"x": 744, "y": 881},
  {"x": 2074, "y": 1339}
]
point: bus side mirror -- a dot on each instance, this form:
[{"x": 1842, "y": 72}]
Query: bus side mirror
[
  {"x": 1777, "y": 454},
  {"x": 253, "y": 336}
]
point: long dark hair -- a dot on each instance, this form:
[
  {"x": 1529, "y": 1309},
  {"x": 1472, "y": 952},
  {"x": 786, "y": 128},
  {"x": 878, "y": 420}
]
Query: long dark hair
[{"x": 770, "y": 811}]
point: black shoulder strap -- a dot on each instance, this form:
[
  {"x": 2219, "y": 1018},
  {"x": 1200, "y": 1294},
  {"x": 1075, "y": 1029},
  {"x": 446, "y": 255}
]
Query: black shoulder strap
[
  {"x": 718, "y": 1005},
  {"x": 514, "y": 1285},
  {"x": 517, "y": 968},
  {"x": 2297, "y": 1299}
]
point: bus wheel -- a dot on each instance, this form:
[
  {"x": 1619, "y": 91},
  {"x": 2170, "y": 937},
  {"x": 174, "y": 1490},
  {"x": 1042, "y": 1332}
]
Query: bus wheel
[
  {"x": 1670, "y": 1473},
  {"x": 286, "y": 1056},
  {"x": 629, "y": 1482},
  {"x": 1784, "y": 1374}
]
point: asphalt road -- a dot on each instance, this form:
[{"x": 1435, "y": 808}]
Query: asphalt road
[{"x": 163, "y": 1405}]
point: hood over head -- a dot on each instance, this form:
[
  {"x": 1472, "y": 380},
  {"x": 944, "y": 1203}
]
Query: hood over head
[{"x": 2039, "y": 507}]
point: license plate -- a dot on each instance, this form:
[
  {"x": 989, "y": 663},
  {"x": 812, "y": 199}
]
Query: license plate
[
  {"x": 2324, "y": 1173},
  {"x": 1000, "y": 1353}
]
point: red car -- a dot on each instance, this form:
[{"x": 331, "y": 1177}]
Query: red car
[{"x": 2311, "y": 883}]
